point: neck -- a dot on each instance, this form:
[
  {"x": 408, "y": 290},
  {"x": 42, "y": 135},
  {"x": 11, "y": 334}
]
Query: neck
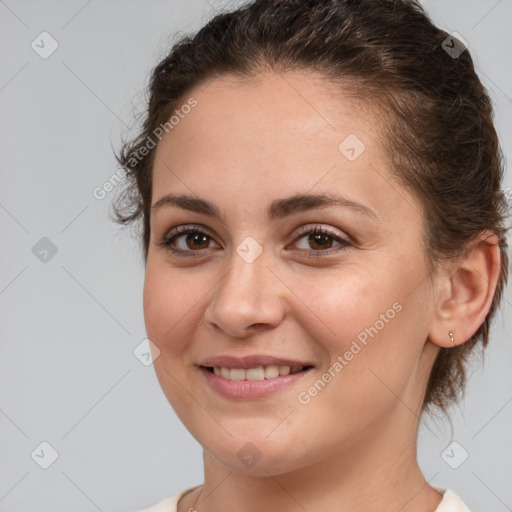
[{"x": 377, "y": 471}]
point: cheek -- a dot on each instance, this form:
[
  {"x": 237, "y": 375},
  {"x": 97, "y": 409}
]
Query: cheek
[
  {"x": 168, "y": 306},
  {"x": 360, "y": 326},
  {"x": 340, "y": 307},
  {"x": 169, "y": 300}
]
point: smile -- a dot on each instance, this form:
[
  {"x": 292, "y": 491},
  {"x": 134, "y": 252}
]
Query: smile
[
  {"x": 252, "y": 383},
  {"x": 257, "y": 373}
]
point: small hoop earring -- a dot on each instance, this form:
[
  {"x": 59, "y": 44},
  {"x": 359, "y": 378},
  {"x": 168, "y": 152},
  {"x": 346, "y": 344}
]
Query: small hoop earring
[{"x": 450, "y": 333}]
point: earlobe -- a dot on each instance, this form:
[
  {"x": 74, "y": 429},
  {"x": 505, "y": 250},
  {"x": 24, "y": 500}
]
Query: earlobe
[{"x": 468, "y": 290}]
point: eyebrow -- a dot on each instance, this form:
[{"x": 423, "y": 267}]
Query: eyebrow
[{"x": 278, "y": 209}]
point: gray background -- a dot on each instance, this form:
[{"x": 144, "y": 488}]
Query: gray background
[{"x": 69, "y": 325}]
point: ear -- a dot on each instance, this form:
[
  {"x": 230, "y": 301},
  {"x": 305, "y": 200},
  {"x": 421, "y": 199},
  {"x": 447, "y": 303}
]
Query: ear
[{"x": 464, "y": 292}]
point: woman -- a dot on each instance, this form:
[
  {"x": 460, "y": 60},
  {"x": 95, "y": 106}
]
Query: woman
[{"x": 319, "y": 187}]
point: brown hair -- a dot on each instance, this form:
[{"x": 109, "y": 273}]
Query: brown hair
[{"x": 438, "y": 128}]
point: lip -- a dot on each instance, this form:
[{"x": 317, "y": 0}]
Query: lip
[
  {"x": 247, "y": 389},
  {"x": 251, "y": 361}
]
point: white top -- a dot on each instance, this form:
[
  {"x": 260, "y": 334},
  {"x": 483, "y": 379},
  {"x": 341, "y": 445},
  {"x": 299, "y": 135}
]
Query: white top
[{"x": 450, "y": 502}]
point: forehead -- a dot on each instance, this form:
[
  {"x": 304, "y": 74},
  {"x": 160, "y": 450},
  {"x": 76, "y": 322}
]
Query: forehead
[
  {"x": 278, "y": 134},
  {"x": 292, "y": 106}
]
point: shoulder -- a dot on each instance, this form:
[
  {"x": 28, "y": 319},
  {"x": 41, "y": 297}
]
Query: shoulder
[
  {"x": 169, "y": 504},
  {"x": 451, "y": 502}
]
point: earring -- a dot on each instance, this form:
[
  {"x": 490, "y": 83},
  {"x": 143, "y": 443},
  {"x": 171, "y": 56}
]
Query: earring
[{"x": 450, "y": 333}]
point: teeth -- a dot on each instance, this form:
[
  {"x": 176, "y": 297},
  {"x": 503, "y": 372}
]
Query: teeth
[
  {"x": 237, "y": 374},
  {"x": 259, "y": 373},
  {"x": 284, "y": 370},
  {"x": 255, "y": 373},
  {"x": 272, "y": 371}
]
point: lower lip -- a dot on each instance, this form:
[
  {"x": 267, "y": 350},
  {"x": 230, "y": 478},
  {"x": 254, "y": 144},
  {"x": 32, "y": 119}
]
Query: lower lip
[{"x": 250, "y": 388}]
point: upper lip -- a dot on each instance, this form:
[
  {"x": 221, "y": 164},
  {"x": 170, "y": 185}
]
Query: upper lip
[{"x": 253, "y": 361}]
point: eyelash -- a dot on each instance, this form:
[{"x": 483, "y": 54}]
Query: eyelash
[{"x": 186, "y": 230}]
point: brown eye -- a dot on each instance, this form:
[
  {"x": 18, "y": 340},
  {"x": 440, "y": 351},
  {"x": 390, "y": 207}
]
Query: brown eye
[
  {"x": 319, "y": 240},
  {"x": 192, "y": 241},
  {"x": 186, "y": 241},
  {"x": 195, "y": 240}
]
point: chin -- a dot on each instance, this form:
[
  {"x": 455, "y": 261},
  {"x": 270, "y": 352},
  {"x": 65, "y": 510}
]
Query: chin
[{"x": 257, "y": 457}]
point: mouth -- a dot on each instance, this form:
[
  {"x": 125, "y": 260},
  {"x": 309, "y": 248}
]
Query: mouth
[{"x": 256, "y": 373}]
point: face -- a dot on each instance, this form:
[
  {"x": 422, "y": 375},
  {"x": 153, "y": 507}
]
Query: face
[{"x": 256, "y": 293}]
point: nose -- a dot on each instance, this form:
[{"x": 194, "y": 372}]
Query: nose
[{"x": 248, "y": 298}]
